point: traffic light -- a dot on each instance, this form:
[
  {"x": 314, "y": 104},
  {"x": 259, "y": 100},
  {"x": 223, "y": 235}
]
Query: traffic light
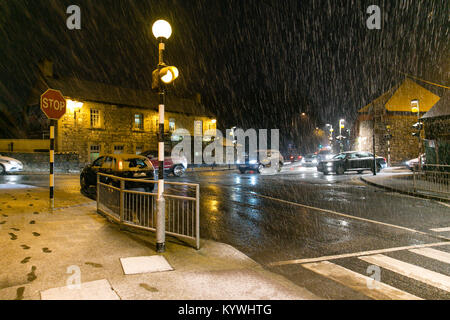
[
  {"x": 418, "y": 126},
  {"x": 164, "y": 75}
]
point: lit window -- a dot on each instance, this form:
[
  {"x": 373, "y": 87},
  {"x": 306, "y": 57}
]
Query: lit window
[
  {"x": 95, "y": 118},
  {"x": 118, "y": 149},
  {"x": 171, "y": 124},
  {"x": 139, "y": 149},
  {"x": 138, "y": 121}
]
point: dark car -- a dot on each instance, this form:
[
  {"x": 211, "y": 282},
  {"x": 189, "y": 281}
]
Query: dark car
[
  {"x": 174, "y": 165},
  {"x": 121, "y": 165},
  {"x": 262, "y": 160},
  {"x": 351, "y": 161}
]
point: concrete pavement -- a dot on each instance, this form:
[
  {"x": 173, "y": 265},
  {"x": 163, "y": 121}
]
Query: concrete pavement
[
  {"x": 401, "y": 181},
  {"x": 43, "y": 249}
]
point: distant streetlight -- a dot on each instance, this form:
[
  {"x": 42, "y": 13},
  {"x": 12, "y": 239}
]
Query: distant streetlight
[
  {"x": 161, "y": 76},
  {"x": 341, "y": 126},
  {"x": 415, "y": 108}
]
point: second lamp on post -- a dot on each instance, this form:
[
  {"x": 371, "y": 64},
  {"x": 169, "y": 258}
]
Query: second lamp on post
[{"x": 161, "y": 76}]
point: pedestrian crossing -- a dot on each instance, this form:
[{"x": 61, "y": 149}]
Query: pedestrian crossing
[{"x": 374, "y": 288}]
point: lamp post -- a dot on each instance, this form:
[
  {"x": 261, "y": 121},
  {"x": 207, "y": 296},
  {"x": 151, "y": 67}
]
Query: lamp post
[
  {"x": 160, "y": 77},
  {"x": 341, "y": 126},
  {"x": 415, "y": 108}
]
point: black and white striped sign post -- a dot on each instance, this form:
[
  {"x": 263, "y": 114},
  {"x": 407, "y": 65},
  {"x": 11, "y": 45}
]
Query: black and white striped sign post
[{"x": 53, "y": 104}]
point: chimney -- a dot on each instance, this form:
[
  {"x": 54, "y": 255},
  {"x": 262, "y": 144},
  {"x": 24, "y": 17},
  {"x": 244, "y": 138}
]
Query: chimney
[{"x": 46, "y": 67}]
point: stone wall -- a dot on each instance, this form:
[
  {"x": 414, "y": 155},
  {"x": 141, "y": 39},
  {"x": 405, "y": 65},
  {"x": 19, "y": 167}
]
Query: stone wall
[
  {"x": 39, "y": 161},
  {"x": 403, "y": 145},
  {"x": 75, "y": 134}
]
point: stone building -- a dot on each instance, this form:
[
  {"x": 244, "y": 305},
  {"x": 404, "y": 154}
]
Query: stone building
[
  {"x": 390, "y": 114},
  {"x": 104, "y": 119}
]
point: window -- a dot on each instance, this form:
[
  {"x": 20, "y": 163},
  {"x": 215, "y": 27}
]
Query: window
[
  {"x": 156, "y": 124},
  {"x": 94, "y": 152},
  {"x": 95, "y": 118},
  {"x": 118, "y": 149},
  {"x": 138, "y": 121},
  {"x": 171, "y": 124}
]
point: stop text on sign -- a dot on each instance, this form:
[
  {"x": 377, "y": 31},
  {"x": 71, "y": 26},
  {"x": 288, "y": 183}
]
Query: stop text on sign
[{"x": 53, "y": 104}]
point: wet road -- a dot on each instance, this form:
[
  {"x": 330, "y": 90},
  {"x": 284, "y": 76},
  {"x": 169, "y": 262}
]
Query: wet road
[{"x": 336, "y": 222}]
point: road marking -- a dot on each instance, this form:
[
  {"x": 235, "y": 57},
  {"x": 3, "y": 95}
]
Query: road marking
[
  {"x": 441, "y": 229},
  {"x": 433, "y": 254},
  {"x": 348, "y": 216},
  {"x": 411, "y": 271},
  {"x": 359, "y": 282},
  {"x": 356, "y": 254}
]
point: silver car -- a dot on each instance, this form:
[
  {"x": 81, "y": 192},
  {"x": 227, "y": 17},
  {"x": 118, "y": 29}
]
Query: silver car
[{"x": 9, "y": 165}]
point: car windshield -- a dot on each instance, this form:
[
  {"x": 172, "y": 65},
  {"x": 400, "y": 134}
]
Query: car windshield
[{"x": 339, "y": 156}]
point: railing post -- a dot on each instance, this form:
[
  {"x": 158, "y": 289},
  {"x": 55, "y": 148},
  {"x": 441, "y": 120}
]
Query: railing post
[
  {"x": 197, "y": 215},
  {"x": 122, "y": 201},
  {"x": 98, "y": 190}
]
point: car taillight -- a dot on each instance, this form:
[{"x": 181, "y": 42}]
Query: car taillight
[{"x": 299, "y": 157}]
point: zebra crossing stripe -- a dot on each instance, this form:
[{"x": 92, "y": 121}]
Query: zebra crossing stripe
[
  {"x": 433, "y": 254},
  {"x": 441, "y": 229},
  {"x": 358, "y": 282},
  {"x": 426, "y": 276}
]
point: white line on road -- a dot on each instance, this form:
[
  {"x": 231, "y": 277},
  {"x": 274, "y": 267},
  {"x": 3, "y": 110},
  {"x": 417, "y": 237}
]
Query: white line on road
[
  {"x": 348, "y": 216},
  {"x": 411, "y": 271},
  {"x": 358, "y": 282},
  {"x": 356, "y": 254},
  {"x": 441, "y": 229},
  {"x": 433, "y": 254}
]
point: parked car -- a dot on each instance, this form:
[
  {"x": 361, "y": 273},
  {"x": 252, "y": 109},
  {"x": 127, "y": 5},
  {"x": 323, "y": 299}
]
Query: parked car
[
  {"x": 414, "y": 163},
  {"x": 351, "y": 161},
  {"x": 9, "y": 165},
  {"x": 174, "y": 165},
  {"x": 263, "y": 160},
  {"x": 121, "y": 165},
  {"x": 310, "y": 160}
]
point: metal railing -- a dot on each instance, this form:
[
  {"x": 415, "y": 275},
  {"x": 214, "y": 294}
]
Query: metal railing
[
  {"x": 120, "y": 199},
  {"x": 432, "y": 178}
]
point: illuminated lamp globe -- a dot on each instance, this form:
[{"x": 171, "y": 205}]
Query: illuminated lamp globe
[{"x": 161, "y": 29}]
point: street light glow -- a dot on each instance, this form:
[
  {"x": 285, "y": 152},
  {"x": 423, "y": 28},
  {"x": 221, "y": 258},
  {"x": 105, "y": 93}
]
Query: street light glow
[
  {"x": 415, "y": 106},
  {"x": 168, "y": 74},
  {"x": 161, "y": 29}
]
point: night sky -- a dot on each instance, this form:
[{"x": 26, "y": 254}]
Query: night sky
[{"x": 256, "y": 63}]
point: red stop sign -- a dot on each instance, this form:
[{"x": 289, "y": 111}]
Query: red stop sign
[{"x": 53, "y": 104}]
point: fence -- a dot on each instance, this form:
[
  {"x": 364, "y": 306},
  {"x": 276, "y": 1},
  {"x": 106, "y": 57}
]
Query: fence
[
  {"x": 432, "y": 178},
  {"x": 120, "y": 199}
]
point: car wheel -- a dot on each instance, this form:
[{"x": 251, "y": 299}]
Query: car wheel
[
  {"x": 340, "y": 170},
  {"x": 2, "y": 169},
  {"x": 83, "y": 183},
  {"x": 241, "y": 170},
  {"x": 360, "y": 171},
  {"x": 260, "y": 168},
  {"x": 326, "y": 173},
  {"x": 178, "y": 170}
]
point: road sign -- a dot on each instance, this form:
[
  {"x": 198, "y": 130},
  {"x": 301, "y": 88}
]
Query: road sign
[{"x": 53, "y": 104}]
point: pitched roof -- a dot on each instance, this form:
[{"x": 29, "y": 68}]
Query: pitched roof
[
  {"x": 83, "y": 90},
  {"x": 440, "y": 109},
  {"x": 398, "y": 98},
  {"x": 409, "y": 90}
]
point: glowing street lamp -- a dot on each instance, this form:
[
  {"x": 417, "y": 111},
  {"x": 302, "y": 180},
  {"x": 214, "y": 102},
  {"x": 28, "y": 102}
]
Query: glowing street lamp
[
  {"x": 161, "y": 76},
  {"x": 416, "y": 109}
]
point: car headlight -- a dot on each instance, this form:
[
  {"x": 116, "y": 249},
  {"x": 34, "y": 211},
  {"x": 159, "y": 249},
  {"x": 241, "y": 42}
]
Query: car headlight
[
  {"x": 238, "y": 161},
  {"x": 253, "y": 161},
  {"x": 329, "y": 164},
  {"x": 314, "y": 161}
]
